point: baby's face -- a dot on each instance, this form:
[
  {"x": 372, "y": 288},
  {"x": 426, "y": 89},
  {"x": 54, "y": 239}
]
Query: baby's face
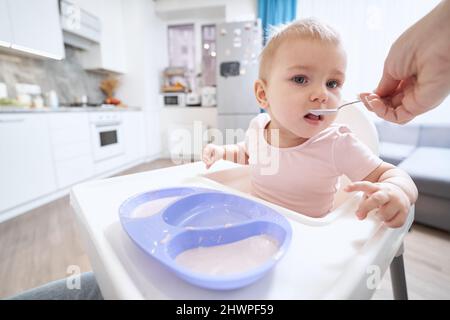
[{"x": 305, "y": 74}]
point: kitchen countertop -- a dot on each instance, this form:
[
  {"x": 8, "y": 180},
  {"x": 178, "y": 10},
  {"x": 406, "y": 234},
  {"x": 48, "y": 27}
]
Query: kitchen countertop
[
  {"x": 12, "y": 109},
  {"x": 191, "y": 107}
]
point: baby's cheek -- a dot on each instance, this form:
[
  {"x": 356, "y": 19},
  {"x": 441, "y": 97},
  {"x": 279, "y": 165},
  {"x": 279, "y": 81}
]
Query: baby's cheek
[
  {"x": 330, "y": 119},
  {"x": 286, "y": 114}
]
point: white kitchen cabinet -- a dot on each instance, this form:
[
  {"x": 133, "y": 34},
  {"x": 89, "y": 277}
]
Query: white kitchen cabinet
[
  {"x": 109, "y": 54},
  {"x": 71, "y": 171},
  {"x": 36, "y": 27},
  {"x": 71, "y": 145},
  {"x": 5, "y": 25},
  {"x": 134, "y": 135},
  {"x": 152, "y": 133},
  {"x": 26, "y": 164},
  {"x": 44, "y": 154}
]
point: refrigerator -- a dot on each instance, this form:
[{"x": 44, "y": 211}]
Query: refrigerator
[{"x": 238, "y": 45}]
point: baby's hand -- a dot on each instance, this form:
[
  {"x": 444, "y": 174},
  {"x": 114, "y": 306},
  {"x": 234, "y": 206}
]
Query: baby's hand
[
  {"x": 211, "y": 154},
  {"x": 392, "y": 202}
]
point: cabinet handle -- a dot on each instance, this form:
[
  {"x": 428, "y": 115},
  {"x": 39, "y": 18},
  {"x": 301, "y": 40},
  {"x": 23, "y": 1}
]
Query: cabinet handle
[
  {"x": 107, "y": 124},
  {"x": 11, "y": 120}
]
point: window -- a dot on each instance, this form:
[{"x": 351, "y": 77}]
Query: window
[
  {"x": 181, "y": 42},
  {"x": 209, "y": 55}
]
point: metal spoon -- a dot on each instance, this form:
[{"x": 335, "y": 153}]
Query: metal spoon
[{"x": 318, "y": 112}]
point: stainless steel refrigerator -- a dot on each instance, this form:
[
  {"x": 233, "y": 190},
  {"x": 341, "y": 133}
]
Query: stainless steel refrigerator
[{"x": 238, "y": 48}]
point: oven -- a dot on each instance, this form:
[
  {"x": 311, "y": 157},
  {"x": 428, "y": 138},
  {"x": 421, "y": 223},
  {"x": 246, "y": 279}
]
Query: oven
[{"x": 107, "y": 135}]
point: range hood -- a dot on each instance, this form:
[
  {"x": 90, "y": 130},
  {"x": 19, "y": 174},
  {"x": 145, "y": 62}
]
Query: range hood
[{"x": 81, "y": 29}]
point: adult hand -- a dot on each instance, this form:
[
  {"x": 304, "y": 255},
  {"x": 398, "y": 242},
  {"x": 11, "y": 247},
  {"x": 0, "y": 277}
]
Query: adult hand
[{"x": 416, "y": 76}]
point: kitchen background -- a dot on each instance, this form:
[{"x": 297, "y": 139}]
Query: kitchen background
[
  {"x": 175, "y": 63},
  {"x": 67, "y": 77}
]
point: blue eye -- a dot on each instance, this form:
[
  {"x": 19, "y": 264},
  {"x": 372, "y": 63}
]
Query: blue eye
[
  {"x": 332, "y": 84},
  {"x": 300, "y": 79}
]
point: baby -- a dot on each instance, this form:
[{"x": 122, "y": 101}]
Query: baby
[{"x": 302, "y": 67}]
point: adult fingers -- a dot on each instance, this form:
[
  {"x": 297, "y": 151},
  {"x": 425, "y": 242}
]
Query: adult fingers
[
  {"x": 387, "y": 84},
  {"x": 363, "y": 97},
  {"x": 398, "y": 114},
  {"x": 390, "y": 109}
]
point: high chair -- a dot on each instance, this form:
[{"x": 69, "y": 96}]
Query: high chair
[{"x": 334, "y": 257}]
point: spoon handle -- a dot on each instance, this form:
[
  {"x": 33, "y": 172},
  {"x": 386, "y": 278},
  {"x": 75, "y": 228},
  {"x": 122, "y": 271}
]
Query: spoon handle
[
  {"x": 328, "y": 111},
  {"x": 346, "y": 104}
]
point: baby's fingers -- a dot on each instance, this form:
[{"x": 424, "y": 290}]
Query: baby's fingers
[
  {"x": 364, "y": 186},
  {"x": 374, "y": 201},
  {"x": 209, "y": 164},
  {"x": 398, "y": 220},
  {"x": 207, "y": 160},
  {"x": 388, "y": 211}
]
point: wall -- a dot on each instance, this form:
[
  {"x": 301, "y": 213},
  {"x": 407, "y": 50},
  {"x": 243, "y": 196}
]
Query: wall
[
  {"x": 66, "y": 77},
  {"x": 235, "y": 10},
  {"x": 241, "y": 10},
  {"x": 146, "y": 52}
]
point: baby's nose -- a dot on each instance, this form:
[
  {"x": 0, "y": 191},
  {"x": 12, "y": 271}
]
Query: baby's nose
[{"x": 320, "y": 96}]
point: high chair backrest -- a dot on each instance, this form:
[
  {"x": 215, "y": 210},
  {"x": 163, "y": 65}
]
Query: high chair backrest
[{"x": 357, "y": 119}]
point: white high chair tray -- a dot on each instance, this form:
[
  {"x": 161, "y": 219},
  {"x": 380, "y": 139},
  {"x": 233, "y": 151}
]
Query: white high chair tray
[{"x": 336, "y": 257}]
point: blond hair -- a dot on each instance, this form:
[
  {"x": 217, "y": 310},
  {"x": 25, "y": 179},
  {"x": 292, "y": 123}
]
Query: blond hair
[{"x": 304, "y": 28}]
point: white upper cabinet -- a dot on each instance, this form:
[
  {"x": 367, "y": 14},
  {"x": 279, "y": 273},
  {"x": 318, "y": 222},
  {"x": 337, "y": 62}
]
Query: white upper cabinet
[
  {"x": 35, "y": 27},
  {"x": 109, "y": 54},
  {"x": 112, "y": 44},
  {"x": 80, "y": 28},
  {"x": 5, "y": 25}
]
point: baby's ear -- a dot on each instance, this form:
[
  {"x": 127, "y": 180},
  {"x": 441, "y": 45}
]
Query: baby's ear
[{"x": 260, "y": 93}]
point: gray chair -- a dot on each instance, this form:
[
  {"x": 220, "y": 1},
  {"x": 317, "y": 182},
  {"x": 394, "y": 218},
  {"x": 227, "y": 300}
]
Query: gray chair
[
  {"x": 396, "y": 142},
  {"x": 429, "y": 166},
  {"x": 424, "y": 153}
]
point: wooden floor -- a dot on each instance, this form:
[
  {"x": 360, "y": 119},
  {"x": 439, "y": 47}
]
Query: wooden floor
[{"x": 39, "y": 246}]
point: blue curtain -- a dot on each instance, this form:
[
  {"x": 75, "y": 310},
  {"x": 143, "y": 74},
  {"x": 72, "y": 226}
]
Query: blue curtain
[{"x": 273, "y": 12}]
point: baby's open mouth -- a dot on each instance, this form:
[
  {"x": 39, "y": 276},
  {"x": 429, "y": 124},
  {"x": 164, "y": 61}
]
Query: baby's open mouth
[{"x": 314, "y": 117}]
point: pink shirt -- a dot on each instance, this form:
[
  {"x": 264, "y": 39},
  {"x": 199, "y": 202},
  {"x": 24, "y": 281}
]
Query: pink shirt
[{"x": 304, "y": 178}]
